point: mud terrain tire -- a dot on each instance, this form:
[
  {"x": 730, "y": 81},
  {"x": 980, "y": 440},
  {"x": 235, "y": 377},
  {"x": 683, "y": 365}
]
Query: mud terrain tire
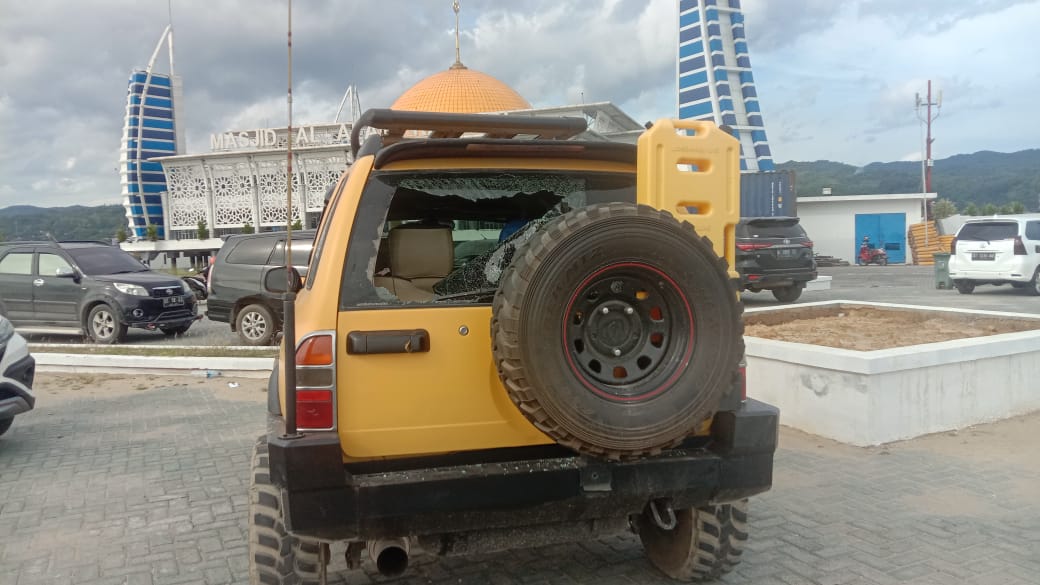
[
  {"x": 616, "y": 330},
  {"x": 275, "y": 557},
  {"x": 705, "y": 544}
]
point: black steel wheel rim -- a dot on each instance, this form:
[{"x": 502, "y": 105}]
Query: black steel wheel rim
[{"x": 628, "y": 332}]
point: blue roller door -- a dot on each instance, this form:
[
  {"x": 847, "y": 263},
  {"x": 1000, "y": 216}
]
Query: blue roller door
[{"x": 886, "y": 230}]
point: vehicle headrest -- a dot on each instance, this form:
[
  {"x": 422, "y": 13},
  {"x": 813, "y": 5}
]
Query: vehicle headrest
[{"x": 421, "y": 251}]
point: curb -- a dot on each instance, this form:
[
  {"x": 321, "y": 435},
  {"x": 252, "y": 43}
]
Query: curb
[{"x": 240, "y": 367}]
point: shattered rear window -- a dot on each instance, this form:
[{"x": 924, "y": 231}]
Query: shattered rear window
[{"x": 489, "y": 215}]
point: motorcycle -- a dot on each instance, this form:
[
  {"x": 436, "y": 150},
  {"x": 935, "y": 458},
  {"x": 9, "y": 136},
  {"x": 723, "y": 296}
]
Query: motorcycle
[
  {"x": 868, "y": 254},
  {"x": 197, "y": 283}
]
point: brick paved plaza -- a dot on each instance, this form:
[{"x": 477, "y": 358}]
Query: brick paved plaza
[{"x": 145, "y": 481}]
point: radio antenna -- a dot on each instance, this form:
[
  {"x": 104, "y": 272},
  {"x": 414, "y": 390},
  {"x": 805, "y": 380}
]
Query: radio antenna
[{"x": 289, "y": 297}]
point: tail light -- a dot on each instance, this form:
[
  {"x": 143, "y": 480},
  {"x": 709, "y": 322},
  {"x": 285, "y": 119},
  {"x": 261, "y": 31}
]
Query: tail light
[
  {"x": 209, "y": 279},
  {"x": 750, "y": 247},
  {"x": 1020, "y": 247},
  {"x": 315, "y": 383},
  {"x": 807, "y": 243},
  {"x": 953, "y": 246}
]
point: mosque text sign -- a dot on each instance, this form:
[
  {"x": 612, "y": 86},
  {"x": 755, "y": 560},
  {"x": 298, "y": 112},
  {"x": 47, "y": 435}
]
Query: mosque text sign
[{"x": 275, "y": 138}]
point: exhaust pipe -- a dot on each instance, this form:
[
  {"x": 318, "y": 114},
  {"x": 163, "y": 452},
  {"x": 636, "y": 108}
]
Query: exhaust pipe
[{"x": 390, "y": 556}]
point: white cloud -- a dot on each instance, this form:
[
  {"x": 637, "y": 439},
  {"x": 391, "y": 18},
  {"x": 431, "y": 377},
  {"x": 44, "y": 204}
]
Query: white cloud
[{"x": 836, "y": 80}]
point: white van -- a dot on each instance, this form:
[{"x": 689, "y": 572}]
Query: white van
[{"x": 997, "y": 250}]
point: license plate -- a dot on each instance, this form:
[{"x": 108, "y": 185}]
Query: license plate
[
  {"x": 983, "y": 255},
  {"x": 787, "y": 252},
  {"x": 172, "y": 302}
]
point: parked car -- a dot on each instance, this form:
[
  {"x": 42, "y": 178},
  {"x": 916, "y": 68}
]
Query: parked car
[
  {"x": 996, "y": 250},
  {"x": 91, "y": 287},
  {"x": 774, "y": 253},
  {"x": 236, "y": 295},
  {"x": 17, "y": 369}
]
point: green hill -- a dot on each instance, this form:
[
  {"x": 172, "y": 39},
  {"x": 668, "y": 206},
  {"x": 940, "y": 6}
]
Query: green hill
[
  {"x": 979, "y": 178},
  {"x": 26, "y": 222}
]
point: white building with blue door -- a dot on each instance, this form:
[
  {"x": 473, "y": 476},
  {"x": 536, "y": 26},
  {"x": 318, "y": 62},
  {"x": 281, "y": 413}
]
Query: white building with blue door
[{"x": 836, "y": 224}]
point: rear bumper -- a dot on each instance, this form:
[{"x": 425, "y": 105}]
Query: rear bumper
[
  {"x": 1013, "y": 269},
  {"x": 217, "y": 310},
  {"x": 322, "y": 498},
  {"x": 993, "y": 276},
  {"x": 764, "y": 279}
]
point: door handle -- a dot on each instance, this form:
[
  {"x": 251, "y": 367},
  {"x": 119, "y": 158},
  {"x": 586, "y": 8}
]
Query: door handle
[
  {"x": 401, "y": 341},
  {"x": 38, "y": 282}
]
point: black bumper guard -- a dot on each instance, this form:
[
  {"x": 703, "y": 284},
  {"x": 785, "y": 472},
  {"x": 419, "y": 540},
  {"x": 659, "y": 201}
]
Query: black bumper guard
[{"x": 321, "y": 497}]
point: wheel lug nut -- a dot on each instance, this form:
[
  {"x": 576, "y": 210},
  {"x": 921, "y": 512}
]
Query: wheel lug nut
[
  {"x": 605, "y": 310},
  {"x": 629, "y": 310},
  {"x": 617, "y": 352}
]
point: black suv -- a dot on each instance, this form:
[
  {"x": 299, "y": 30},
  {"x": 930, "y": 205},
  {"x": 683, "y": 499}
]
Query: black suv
[
  {"x": 91, "y": 286},
  {"x": 236, "y": 294},
  {"x": 774, "y": 253}
]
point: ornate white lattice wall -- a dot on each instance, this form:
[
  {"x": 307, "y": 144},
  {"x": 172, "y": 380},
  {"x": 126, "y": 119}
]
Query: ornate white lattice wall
[
  {"x": 232, "y": 189},
  {"x": 271, "y": 192},
  {"x": 188, "y": 198},
  {"x": 234, "y": 197},
  {"x": 319, "y": 173}
]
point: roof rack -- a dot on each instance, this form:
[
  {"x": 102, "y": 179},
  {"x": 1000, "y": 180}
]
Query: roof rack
[
  {"x": 443, "y": 125},
  {"x": 102, "y": 242}
]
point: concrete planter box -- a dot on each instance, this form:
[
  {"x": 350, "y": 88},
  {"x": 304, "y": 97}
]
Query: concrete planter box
[{"x": 873, "y": 397}]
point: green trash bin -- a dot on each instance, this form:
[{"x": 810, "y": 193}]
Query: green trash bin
[{"x": 942, "y": 270}]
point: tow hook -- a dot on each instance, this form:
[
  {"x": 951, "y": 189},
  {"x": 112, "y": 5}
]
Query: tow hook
[{"x": 662, "y": 514}]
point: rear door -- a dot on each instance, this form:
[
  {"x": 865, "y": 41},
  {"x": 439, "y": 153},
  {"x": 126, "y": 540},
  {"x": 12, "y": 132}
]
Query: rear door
[
  {"x": 987, "y": 246},
  {"x": 16, "y": 284},
  {"x": 426, "y": 380},
  {"x": 55, "y": 298}
]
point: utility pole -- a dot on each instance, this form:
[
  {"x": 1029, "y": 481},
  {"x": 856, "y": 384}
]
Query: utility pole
[{"x": 927, "y": 119}]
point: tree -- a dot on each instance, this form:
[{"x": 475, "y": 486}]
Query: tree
[
  {"x": 203, "y": 230},
  {"x": 1018, "y": 207},
  {"x": 247, "y": 228},
  {"x": 943, "y": 208},
  {"x": 121, "y": 235},
  {"x": 971, "y": 209},
  {"x": 152, "y": 232},
  {"x": 297, "y": 225},
  {"x": 989, "y": 209}
]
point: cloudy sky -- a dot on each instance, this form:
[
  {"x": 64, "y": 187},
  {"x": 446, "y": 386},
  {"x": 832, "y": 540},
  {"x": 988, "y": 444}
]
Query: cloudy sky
[{"x": 836, "y": 80}]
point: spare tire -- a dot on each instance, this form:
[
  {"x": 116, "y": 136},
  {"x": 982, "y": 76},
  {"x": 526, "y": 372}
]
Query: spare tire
[{"x": 616, "y": 330}]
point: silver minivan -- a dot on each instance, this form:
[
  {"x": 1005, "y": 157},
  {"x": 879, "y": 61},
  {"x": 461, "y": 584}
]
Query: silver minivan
[{"x": 997, "y": 250}]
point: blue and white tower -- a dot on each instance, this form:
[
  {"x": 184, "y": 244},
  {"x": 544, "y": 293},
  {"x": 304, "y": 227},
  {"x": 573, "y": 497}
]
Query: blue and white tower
[
  {"x": 714, "y": 73},
  {"x": 149, "y": 131}
]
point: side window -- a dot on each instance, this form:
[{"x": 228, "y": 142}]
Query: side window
[
  {"x": 16, "y": 263},
  {"x": 301, "y": 252},
  {"x": 255, "y": 251},
  {"x": 1033, "y": 230},
  {"x": 50, "y": 264}
]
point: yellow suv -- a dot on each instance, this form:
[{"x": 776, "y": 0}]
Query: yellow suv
[{"x": 511, "y": 336}]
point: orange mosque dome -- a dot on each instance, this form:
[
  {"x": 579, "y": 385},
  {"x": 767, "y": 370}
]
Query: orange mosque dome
[{"x": 460, "y": 90}]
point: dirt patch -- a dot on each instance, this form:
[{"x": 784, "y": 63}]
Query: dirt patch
[
  {"x": 868, "y": 329},
  {"x": 52, "y": 387}
]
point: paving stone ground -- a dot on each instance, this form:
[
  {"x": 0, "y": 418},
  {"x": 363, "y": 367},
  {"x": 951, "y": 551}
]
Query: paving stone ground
[{"x": 145, "y": 481}]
